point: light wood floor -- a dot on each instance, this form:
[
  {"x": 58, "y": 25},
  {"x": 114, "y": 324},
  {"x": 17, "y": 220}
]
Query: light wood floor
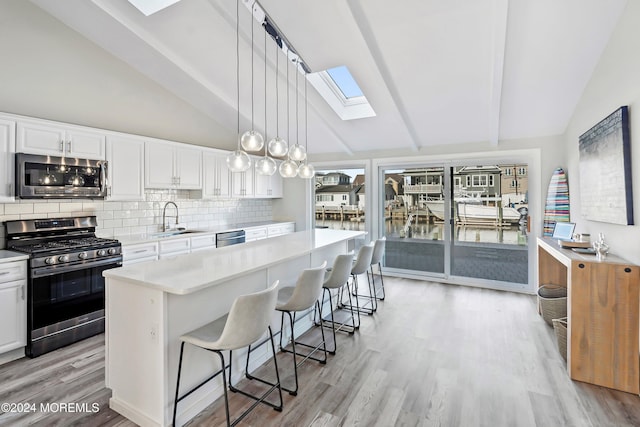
[{"x": 433, "y": 355}]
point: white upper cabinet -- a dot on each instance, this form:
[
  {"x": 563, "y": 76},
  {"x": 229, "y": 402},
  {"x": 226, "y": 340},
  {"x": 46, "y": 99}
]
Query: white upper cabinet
[
  {"x": 49, "y": 139},
  {"x": 7, "y": 159},
  {"x": 125, "y": 168},
  {"x": 217, "y": 177},
  {"x": 169, "y": 165},
  {"x": 268, "y": 186},
  {"x": 242, "y": 183}
]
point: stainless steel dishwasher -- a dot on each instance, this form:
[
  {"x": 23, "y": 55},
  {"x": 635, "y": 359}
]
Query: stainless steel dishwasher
[{"x": 229, "y": 238}]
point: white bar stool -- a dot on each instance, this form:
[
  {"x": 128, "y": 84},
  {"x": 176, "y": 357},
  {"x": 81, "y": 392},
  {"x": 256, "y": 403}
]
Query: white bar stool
[
  {"x": 336, "y": 278},
  {"x": 361, "y": 266},
  {"x": 248, "y": 319},
  {"x": 292, "y": 299},
  {"x": 376, "y": 259}
]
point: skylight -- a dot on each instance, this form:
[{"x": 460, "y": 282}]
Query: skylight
[
  {"x": 338, "y": 87},
  {"x": 148, "y": 7},
  {"x": 345, "y": 81}
]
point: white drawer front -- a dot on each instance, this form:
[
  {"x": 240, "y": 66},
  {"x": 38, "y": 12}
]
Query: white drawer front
[
  {"x": 174, "y": 245},
  {"x": 145, "y": 250},
  {"x": 11, "y": 271},
  {"x": 203, "y": 242},
  {"x": 255, "y": 234}
]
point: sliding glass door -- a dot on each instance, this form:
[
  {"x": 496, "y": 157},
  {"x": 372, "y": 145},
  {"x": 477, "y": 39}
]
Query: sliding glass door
[{"x": 462, "y": 223}]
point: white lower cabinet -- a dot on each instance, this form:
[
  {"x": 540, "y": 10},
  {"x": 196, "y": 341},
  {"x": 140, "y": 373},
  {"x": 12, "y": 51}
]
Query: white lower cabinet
[
  {"x": 251, "y": 234},
  {"x": 173, "y": 247},
  {"x": 200, "y": 243},
  {"x": 133, "y": 254},
  {"x": 280, "y": 229},
  {"x": 13, "y": 305}
]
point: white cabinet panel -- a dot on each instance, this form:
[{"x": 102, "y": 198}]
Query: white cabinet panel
[
  {"x": 252, "y": 234},
  {"x": 268, "y": 187},
  {"x": 217, "y": 177},
  {"x": 13, "y": 305},
  {"x": 168, "y": 165},
  {"x": 280, "y": 229},
  {"x": 125, "y": 168},
  {"x": 132, "y": 254},
  {"x": 174, "y": 247},
  {"x": 203, "y": 242},
  {"x": 42, "y": 137},
  {"x": 242, "y": 183},
  {"x": 7, "y": 160}
]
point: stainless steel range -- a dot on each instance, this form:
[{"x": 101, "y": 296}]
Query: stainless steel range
[{"x": 65, "y": 293}]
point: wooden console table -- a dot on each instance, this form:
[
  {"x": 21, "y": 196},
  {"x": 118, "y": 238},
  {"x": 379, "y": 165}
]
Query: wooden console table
[{"x": 602, "y": 310}]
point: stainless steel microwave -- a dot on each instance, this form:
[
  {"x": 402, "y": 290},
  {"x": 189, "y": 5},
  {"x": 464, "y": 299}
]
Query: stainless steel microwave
[{"x": 48, "y": 177}]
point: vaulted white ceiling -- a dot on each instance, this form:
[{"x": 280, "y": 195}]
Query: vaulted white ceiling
[{"x": 435, "y": 72}]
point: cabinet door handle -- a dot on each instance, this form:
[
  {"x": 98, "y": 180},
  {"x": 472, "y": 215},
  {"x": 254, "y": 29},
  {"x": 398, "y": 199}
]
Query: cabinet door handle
[
  {"x": 68, "y": 146},
  {"x": 22, "y": 291},
  {"x": 139, "y": 251},
  {"x": 61, "y": 146},
  {"x": 4, "y": 272}
]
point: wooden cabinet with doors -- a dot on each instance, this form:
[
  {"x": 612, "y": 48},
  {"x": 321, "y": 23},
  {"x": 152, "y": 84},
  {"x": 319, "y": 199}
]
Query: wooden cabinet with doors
[{"x": 603, "y": 301}]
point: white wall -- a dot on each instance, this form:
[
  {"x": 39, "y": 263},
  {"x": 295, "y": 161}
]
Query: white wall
[
  {"x": 52, "y": 72},
  {"x": 615, "y": 82}
]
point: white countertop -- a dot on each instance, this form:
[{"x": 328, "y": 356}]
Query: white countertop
[
  {"x": 132, "y": 239},
  {"x": 9, "y": 256},
  {"x": 192, "y": 272}
]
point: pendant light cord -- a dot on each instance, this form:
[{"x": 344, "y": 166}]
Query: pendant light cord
[
  {"x": 252, "y": 126},
  {"x": 277, "y": 92},
  {"x": 306, "y": 121},
  {"x": 238, "y": 66},
  {"x": 297, "y": 120},
  {"x": 265, "y": 92},
  {"x": 288, "y": 114}
]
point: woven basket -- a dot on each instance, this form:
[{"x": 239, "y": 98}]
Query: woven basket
[
  {"x": 560, "y": 328},
  {"x": 552, "y": 300}
]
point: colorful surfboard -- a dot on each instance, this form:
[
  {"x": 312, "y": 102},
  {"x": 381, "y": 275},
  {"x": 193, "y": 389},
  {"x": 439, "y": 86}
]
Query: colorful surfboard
[{"x": 556, "y": 209}]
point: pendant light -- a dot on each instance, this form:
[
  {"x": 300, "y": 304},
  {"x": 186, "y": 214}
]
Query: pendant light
[
  {"x": 288, "y": 168},
  {"x": 306, "y": 170},
  {"x": 265, "y": 165},
  {"x": 252, "y": 140},
  {"x": 277, "y": 146},
  {"x": 297, "y": 151},
  {"x": 238, "y": 160}
]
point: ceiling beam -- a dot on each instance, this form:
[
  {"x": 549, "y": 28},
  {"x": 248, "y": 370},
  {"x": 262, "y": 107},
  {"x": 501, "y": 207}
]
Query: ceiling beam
[
  {"x": 370, "y": 39},
  {"x": 500, "y": 19}
]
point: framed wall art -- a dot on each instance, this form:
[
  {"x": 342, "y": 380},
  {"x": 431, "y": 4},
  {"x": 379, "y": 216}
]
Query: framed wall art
[{"x": 605, "y": 170}]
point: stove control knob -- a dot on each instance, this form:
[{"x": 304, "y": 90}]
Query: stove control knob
[
  {"x": 113, "y": 251},
  {"x": 102, "y": 252},
  {"x": 82, "y": 255},
  {"x": 50, "y": 261},
  {"x": 63, "y": 258}
]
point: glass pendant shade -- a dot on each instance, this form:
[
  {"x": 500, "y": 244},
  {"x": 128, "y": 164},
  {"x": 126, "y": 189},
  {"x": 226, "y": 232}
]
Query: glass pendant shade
[
  {"x": 306, "y": 171},
  {"x": 297, "y": 153},
  {"x": 266, "y": 166},
  {"x": 252, "y": 140},
  {"x": 288, "y": 169},
  {"x": 238, "y": 161},
  {"x": 278, "y": 147}
]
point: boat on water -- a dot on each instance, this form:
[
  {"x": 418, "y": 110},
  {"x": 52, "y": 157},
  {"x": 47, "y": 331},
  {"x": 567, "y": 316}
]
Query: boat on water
[{"x": 474, "y": 212}]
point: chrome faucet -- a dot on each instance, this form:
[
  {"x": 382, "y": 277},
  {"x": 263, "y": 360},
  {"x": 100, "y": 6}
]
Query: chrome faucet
[{"x": 164, "y": 211}]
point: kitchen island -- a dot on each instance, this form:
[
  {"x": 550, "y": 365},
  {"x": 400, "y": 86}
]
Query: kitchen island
[{"x": 149, "y": 305}]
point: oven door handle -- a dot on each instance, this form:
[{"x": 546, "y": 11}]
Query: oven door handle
[
  {"x": 103, "y": 177},
  {"x": 52, "y": 270}
]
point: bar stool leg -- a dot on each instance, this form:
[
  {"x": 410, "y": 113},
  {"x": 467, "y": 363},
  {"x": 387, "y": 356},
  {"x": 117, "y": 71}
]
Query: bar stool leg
[{"x": 175, "y": 401}]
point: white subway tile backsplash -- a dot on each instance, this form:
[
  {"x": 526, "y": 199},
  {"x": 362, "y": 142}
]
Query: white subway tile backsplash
[
  {"x": 123, "y": 218},
  {"x": 18, "y": 208}
]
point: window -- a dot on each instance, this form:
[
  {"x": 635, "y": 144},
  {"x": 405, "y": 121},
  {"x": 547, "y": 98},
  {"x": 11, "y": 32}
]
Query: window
[
  {"x": 468, "y": 181},
  {"x": 491, "y": 183},
  {"x": 514, "y": 183},
  {"x": 479, "y": 180},
  {"x": 340, "y": 90},
  {"x": 344, "y": 197},
  {"x": 508, "y": 172},
  {"x": 522, "y": 171}
]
